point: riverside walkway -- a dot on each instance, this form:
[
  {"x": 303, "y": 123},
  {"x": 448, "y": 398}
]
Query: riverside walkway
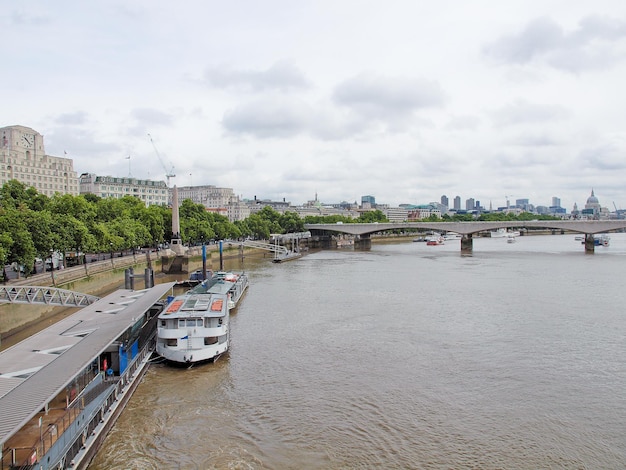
[{"x": 468, "y": 229}]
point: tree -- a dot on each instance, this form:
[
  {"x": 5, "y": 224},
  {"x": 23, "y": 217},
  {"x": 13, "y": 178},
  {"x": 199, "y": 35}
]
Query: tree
[{"x": 371, "y": 217}]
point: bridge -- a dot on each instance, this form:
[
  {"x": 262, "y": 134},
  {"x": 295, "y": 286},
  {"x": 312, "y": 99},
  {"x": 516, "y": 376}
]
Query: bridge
[
  {"x": 468, "y": 229},
  {"x": 44, "y": 295}
]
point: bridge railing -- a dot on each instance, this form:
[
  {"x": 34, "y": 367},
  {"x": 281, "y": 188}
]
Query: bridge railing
[{"x": 44, "y": 295}]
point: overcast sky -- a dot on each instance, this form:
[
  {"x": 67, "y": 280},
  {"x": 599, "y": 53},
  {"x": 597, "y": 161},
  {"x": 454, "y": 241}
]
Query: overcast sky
[{"x": 402, "y": 100}]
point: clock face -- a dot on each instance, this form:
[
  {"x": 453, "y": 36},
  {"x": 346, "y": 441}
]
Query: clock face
[{"x": 28, "y": 140}]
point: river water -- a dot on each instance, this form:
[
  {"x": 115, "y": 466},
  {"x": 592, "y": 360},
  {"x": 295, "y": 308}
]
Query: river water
[{"x": 405, "y": 356}]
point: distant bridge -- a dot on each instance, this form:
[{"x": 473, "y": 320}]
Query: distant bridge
[
  {"x": 467, "y": 229},
  {"x": 44, "y": 296}
]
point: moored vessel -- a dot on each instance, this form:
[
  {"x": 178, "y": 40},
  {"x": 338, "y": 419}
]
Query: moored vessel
[
  {"x": 233, "y": 285},
  {"x": 64, "y": 387},
  {"x": 193, "y": 328},
  {"x": 502, "y": 232}
]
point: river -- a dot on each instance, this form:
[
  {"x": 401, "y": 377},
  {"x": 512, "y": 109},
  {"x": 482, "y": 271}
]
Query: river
[{"x": 403, "y": 357}]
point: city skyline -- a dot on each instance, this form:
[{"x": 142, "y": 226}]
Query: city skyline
[{"x": 284, "y": 100}]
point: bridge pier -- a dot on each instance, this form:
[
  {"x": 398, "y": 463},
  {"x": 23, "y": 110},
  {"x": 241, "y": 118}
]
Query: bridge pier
[
  {"x": 363, "y": 242},
  {"x": 467, "y": 243},
  {"x": 590, "y": 243}
]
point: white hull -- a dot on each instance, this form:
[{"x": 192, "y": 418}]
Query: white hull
[
  {"x": 194, "y": 328},
  {"x": 191, "y": 356},
  {"x": 502, "y": 233}
]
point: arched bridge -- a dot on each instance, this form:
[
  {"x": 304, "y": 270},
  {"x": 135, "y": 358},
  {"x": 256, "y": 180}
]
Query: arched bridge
[
  {"x": 44, "y": 295},
  {"x": 467, "y": 229}
]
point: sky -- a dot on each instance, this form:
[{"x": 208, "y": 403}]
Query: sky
[{"x": 403, "y": 100}]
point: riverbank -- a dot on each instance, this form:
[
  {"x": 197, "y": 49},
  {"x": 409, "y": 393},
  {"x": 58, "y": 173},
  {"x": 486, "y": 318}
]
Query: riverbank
[{"x": 18, "y": 321}]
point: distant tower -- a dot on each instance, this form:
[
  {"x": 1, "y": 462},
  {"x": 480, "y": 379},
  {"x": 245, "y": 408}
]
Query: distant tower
[
  {"x": 444, "y": 201},
  {"x": 457, "y": 203}
]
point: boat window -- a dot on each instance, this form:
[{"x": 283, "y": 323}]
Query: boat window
[{"x": 172, "y": 342}]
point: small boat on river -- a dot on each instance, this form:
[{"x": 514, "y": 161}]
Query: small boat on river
[
  {"x": 502, "y": 233},
  {"x": 435, "y": 240},
  {"x": 600, "y": 239}
]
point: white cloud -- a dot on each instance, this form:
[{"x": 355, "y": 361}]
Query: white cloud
[{"x": 401, "y": 100}]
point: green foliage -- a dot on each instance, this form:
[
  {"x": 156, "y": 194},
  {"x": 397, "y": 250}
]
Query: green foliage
[
  {"x": 371, "y": 217},
  {"x": 31, "y": 224}
]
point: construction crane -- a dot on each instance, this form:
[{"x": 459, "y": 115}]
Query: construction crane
[{"x": 168, "y": 174}]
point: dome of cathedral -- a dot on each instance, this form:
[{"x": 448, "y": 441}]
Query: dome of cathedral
[{"x": 592, "y": 199}]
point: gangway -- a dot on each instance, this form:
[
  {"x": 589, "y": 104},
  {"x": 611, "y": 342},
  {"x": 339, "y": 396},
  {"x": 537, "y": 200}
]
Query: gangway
[
  {"x": 45, "y": 296},
  {"x": 279, "y": 250}
]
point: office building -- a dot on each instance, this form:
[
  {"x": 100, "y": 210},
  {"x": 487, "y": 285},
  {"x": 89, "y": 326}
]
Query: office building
[
  {"x": 23, "y": 158},
  {"x": 150, "y": 192}
]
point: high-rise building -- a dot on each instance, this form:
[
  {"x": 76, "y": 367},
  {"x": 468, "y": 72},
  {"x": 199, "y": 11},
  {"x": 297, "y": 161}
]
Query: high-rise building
[
  {"x": 556, "y": 201},
  {"x": 368, "y": 202},
  {"x": 444, "y": 201},
  {"x": 23, "y": 158},
  {"x": 457, "y": 203},
  {"x": 470, "y": 204}
]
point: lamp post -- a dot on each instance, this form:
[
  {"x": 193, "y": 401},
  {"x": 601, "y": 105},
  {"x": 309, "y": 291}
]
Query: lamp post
[
  {"x": 52, "y": 267},
  {"x": 111, "y": 245}
]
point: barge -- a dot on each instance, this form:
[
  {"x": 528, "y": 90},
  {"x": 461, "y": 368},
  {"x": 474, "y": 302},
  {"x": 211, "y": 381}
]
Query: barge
[{"x": 62, "y": 389}]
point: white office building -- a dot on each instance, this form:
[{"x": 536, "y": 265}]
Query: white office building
[{"x": 150, "y": 192}]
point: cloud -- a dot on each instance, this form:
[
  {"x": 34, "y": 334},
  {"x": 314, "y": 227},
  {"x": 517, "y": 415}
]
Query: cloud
[
  {"x": 541, "y": 139},
  {"x": 150, "y": 116},
  {"x": 591, "y": 46},
  {"x": 283, "y": 117},
  {"x": 387, "y": 98},
  {"x": 282, "y": 76},
  {"x": 463, "y": 123},
  {"x": 522, "y": 112},
  {"x": 607, "y": 156},
  {"x": 269, "y": 117},
  {"x": 72, "y": 119}
]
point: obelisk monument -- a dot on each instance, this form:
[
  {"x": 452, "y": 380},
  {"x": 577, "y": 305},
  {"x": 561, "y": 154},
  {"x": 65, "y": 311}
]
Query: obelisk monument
[{"x": 176, "y": 244}]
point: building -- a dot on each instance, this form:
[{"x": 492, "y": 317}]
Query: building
[
  {"x": 444, "y": 201},
  {"x": 422, "y": 211},
  {"x": 457, "y": 203},
  {"x": 470, "y": 204},
  {"x": 396, "y": 214},
  {"x": 368, "y": 202},
  {"x": 222, "y": 201},
  {"x": 150, "y": 192},
  {"x": 593, "y": 209},
  {"x": 23, "y": 158}
]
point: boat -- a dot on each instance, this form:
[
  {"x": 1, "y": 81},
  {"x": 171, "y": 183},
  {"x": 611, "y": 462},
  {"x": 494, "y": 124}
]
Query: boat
[
  {"x": 452, "y": 236},
  {"x": 64, "y": 387},
  {"x": 502, "y": 232},
  {"x": 194, "y": 328},
  {"x": 231, "y": 284},
  {"x": 600, "y": 239},
  {"x": 510, "y": 238},
  {"x": 435, "y": 239}
]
